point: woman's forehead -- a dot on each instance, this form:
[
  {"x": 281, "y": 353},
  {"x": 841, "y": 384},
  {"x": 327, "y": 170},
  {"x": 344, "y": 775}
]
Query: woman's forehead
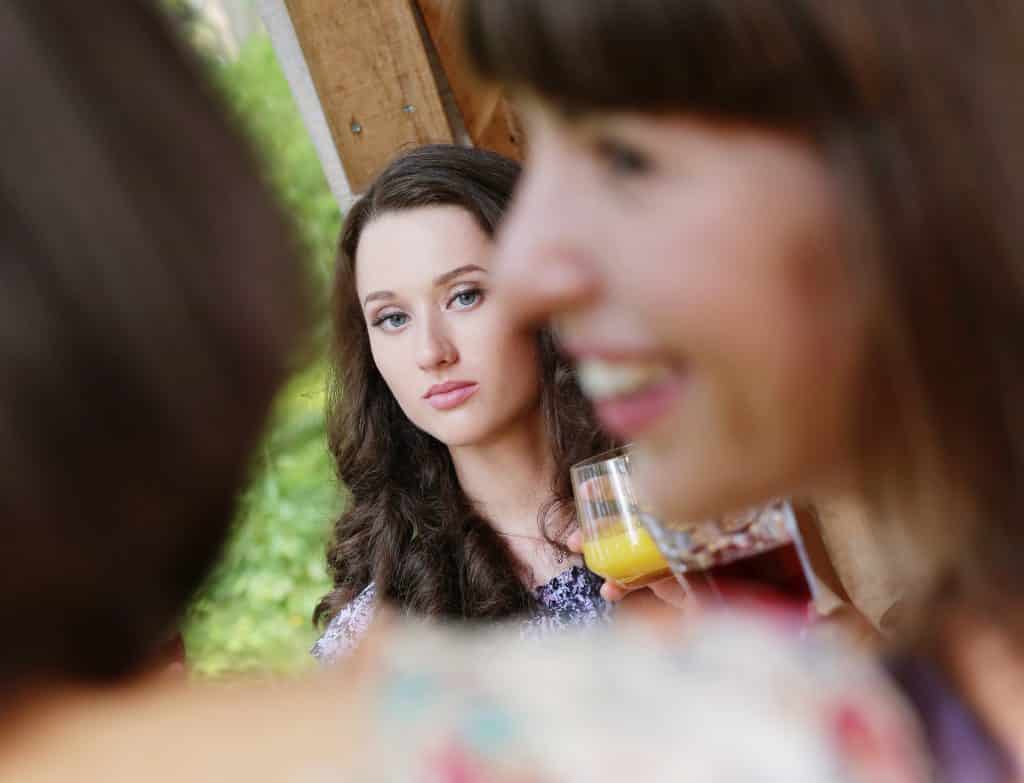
[{"x": 415, "y": 248}]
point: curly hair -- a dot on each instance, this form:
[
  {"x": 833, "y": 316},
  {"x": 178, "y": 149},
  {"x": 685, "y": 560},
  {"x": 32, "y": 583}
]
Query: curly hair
[{"x": 409, "y": 526}]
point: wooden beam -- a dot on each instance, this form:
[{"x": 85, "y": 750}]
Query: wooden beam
[
  {"x": 486, "y": 113},
  {"x": 368, "y": 63},
  {"x": 289, "y": 54}
]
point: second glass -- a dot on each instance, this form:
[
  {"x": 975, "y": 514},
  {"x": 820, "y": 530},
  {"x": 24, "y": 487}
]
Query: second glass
[{"x": 624, "y": 542}]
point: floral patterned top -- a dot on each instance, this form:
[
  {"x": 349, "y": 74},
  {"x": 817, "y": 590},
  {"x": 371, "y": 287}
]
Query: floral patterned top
[
  {"x": 572, "y": 598},
  {"x": 731, "y": 698}
]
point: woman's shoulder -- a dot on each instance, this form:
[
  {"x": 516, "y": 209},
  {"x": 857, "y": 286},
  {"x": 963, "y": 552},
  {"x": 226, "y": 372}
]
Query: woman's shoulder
[
  {"x": 570, "y": 599},
  {"x": 347, "y": 627},
  {"x": 728, "y": 698}
]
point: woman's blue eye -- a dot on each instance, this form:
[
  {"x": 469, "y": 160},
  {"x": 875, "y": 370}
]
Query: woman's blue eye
[
  {"x": 466, "y": 299},
  {"x": 392, "y": 320}
]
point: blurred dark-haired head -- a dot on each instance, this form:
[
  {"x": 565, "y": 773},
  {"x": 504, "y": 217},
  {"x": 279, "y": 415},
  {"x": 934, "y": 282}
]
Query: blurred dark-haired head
[
  {"x": 915, "y": 112},
  {"x": 149, "y": 304}
]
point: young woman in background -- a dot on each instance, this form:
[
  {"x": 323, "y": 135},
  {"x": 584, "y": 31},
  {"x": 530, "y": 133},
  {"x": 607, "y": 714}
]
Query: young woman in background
[{"x": 452, "y": 429}]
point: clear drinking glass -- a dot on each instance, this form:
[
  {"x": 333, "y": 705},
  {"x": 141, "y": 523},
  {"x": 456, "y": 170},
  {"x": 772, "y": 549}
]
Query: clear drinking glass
[
  {"x": 616, "y": 545},
  {"x": 623, "y": 541}
]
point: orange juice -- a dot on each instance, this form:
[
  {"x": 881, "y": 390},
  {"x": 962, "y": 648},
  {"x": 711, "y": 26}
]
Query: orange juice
[{"x": 628, "y": 557}]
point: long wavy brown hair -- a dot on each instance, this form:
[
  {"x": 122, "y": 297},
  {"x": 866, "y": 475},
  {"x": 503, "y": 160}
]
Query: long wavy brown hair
[{"x": 409, "y": 527}]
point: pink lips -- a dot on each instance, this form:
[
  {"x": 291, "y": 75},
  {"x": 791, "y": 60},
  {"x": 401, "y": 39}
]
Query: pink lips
[
  {"x": 630, "y": 416},
  {"x": 450, "y": 394}
]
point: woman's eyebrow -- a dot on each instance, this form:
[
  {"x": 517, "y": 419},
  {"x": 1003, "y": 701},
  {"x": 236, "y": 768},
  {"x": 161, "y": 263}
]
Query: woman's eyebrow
[
  {"x": 447, "y": 277},
  {"x": 378, "y": 295}
]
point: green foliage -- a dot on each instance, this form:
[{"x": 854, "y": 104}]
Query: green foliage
[
  {"x": 254, "y": 612},
  {"x": 255, "y": 87}
]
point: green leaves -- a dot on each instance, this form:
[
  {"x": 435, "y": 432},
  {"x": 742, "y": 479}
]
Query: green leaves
[
  {"x": 253, "y": 615},
  {"x": 254, "y": 612},
  {"x": 257, "y": 90}
]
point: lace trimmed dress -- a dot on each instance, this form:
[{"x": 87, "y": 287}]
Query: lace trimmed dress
[{"x": 571, "y": 599}]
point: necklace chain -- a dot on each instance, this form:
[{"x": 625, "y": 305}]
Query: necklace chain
[{"x": 522, "y": 535}]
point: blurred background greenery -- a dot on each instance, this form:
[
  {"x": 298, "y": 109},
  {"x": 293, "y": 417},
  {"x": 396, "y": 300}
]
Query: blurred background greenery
[{"x": 253, "y": 615}]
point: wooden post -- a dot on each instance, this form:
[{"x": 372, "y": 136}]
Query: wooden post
[
  {"x": 367, "y": 76},
  {"x": 378, "y": 94},
  {"x": 289, "y": 54}
]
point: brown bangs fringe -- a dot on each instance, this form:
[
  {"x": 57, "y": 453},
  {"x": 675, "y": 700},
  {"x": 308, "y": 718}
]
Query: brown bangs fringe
[{"x": 755, "y": 60}]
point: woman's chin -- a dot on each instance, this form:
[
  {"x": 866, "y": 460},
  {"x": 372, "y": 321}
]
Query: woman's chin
[
  {"x": 459, "y": 438},
  {"x": 664, "y": 488},
  {"x": 676, "y": 491}
]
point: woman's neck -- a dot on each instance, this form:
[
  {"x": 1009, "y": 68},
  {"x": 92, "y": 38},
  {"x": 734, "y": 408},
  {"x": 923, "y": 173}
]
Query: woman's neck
[{"x": 509, "y": 476}]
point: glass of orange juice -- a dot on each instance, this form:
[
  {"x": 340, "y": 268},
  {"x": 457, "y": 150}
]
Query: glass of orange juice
[{"x": 616, "y": 544}]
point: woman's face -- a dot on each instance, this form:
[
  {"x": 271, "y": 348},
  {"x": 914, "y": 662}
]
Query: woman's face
[
  {"x": 455, "y": 363},
  {"x": 694, "y": 272}
]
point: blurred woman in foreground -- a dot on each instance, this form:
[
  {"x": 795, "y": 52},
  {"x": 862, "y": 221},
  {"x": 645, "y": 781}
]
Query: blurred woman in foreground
[{"x": 802, "y": 220}]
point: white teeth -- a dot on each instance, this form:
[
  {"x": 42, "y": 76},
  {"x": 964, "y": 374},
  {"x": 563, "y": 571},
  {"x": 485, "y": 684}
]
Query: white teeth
[{"x": 602, "y": 380}]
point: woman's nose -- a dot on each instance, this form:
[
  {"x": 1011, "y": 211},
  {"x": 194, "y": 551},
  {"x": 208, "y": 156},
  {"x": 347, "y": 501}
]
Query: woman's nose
[
  {"x": 542, "y": 261},
  {"x": 435, "y": 348}
]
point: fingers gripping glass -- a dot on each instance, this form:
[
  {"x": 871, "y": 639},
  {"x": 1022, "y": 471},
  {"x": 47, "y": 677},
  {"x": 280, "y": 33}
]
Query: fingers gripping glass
[{"x": 624, "y": 542}]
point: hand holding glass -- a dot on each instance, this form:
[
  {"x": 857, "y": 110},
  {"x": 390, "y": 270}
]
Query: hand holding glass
[{"x": 625, "y": 543}]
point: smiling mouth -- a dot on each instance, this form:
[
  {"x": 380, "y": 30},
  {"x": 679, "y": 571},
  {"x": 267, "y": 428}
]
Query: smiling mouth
[
  {"x": 629, "y": 397},
  {"x": 451, "y": 394}
]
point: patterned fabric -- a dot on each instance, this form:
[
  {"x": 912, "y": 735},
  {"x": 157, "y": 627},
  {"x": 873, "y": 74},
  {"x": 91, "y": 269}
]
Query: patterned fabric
[
  {"x": 347, "y": 627},
  {"x": 731, "y": 699},
  {"x": 573, "y": 598}
]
